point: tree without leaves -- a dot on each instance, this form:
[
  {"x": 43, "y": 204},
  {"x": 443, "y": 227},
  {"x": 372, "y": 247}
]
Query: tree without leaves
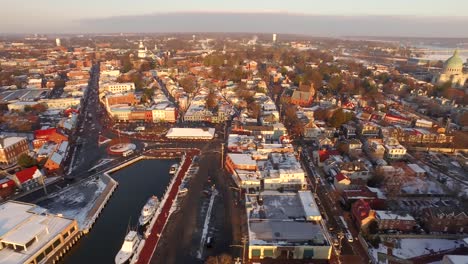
[
  {"x": 290, "y": 112},
  {"x": 373, "y": 227},
  {"x": 39, "y": 108},
  {"x": 211, "y": 100},
  {"x": 126, "y": 63},
  {"x": 146, "y": 66},
  {"x": 340, "y": 117},
  {"x": 221, "y": 259},
  {"x": 27, "y": 108},
  {"x": 255, "y": 109},
  {"x": 188, "y": 84},
  {"x": 26, "y": 161}
]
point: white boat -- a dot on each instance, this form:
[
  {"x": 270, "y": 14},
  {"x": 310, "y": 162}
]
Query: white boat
[
  {"x": 129, "y": 247},
  {"x": 148, "y": 210},
  {"x": 173, "y": 168}
]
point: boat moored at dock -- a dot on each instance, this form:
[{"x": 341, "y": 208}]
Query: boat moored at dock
[
  {"x": 148, "y": 211},
  {"x": 173, "y": 169},
  {"x": 129, "y": 247}
]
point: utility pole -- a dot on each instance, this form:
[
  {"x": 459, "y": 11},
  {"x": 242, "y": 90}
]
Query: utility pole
[
  {"x": 244, "y": 242},
  {"x": 222, "y": 155},
  {"x": 44, "y": 185}
]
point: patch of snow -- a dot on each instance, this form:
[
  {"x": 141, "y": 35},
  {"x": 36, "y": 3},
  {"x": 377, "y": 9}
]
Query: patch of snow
[
  {"x": 418, "y": 186},
  {"x": 75, "y": 202},
  {"x": 412, "y": 247}
]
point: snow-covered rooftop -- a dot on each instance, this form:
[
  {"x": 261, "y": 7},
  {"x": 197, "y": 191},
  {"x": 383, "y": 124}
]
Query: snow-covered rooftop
[
  {"x": 387, "y": 215},
  {"x": 413, "y": 247},
  {"x": 310, "y": 207},
  {"x": 286, "y": 233},
  {"x": 416, "y": 168},
  {"x": 9, "y": 141},
  {"x": 20, "y": 224},
  {"x": 200, "y": 133},
  {"x": 242, "y": 159}
]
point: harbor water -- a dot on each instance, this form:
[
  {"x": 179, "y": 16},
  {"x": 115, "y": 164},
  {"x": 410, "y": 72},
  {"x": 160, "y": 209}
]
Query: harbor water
[{"x": 137, "y": 183}]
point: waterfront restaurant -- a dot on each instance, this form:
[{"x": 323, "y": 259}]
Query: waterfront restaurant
[{"x": 28, "y": 234}]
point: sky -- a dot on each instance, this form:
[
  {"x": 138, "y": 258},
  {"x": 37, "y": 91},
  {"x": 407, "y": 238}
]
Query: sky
[{"x": 64, "y": 16}]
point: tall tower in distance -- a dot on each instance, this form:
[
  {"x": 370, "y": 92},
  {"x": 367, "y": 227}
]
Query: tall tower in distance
[
  {"x": 274, "y": 38},
  {"x": 57, "y": 42},
  {"x": 141, "y": 50}
]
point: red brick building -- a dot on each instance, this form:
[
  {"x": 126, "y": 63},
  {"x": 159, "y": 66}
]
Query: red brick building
[
  {"x": 445, "y": 219},
  {"x": 387, "y": 220},
  {"x": 7, "y": 187},
  {"x": 362, "y": 213},
  {"x": 373, "y": 196},
  {"x": 302, "y": 98},
  {"x": 141, "y": 116},
  {"x": 11, "y": 148},
  {"x": 128, "y": 98}
]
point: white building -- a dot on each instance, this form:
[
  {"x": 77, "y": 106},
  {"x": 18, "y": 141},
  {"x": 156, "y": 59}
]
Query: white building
[
  {"x": 164, "y": 113},
  {"x": 118, "y": 87},
  {"x": 20, "y": 105},
  {"x": 60, "y": 103},
  {"x": 141, "y": 51},
  {"x": 394, "y": 151},
  {"x": 452, "y": 72},
  {"x": 28, "y": 234},
  {"x": 191, "y": 133},
  {"x": 285, "y": 226},
  {"x": 120, "y": 112}
]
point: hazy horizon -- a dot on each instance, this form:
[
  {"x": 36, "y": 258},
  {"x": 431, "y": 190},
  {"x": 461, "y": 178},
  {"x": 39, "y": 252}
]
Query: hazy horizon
[
  {"x": 262, "y": 22},
  {"x": 418, "y": 18}
]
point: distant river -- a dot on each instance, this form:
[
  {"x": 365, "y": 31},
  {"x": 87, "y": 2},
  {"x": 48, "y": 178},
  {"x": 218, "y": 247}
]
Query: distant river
[
  {"x": 443, "y": 52},
  {"x": 136, "y": 184}
]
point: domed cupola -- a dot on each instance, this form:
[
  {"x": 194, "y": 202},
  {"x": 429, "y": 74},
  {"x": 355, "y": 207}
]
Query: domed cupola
[{"x": 454, "y": 65}]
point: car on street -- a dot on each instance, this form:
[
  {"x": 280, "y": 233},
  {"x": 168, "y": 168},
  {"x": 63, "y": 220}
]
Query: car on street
[{"x": 209, "y": 242}]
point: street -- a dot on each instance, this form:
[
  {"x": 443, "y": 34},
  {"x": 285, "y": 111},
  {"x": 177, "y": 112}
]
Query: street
[
  {"x": 331, "y": 211},
  {"x": 181, "y": 238}
]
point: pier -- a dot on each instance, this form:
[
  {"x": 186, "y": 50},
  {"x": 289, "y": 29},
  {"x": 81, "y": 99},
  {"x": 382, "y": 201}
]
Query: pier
[
  {"x": 100, "y": 202},
  {"x": 164, "y": 211}
]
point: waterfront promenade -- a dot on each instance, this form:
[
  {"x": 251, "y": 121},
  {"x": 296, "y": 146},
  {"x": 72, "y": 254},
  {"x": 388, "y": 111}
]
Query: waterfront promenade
[{"x": 156, "y": 230}]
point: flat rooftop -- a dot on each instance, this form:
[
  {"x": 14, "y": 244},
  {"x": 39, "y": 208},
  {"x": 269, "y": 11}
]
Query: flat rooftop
[
  {"x": 179, "y": 132},
  {"x": 286, "y": 233},
  {"x": 284, "y": 206},
  {"x": 286, "y": 219},
  {"x": 20, "y": 223},
  {"x": 242, "y": 159}
]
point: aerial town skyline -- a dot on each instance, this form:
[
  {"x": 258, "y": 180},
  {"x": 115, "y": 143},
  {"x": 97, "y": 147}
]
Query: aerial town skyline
[{"x": 240, "y": 132}]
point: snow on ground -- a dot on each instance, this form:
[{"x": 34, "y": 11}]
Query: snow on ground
[
  {"x": 206, "y": 224},
  {"x": 418, "y": 186},
  {"x": 413, "y": 247},
  {"x": 100, "y": 163},
  {"x": 75, "y": 202}
]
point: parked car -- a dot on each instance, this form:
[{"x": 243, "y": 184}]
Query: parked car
[{"x": 209, "y": 242}]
